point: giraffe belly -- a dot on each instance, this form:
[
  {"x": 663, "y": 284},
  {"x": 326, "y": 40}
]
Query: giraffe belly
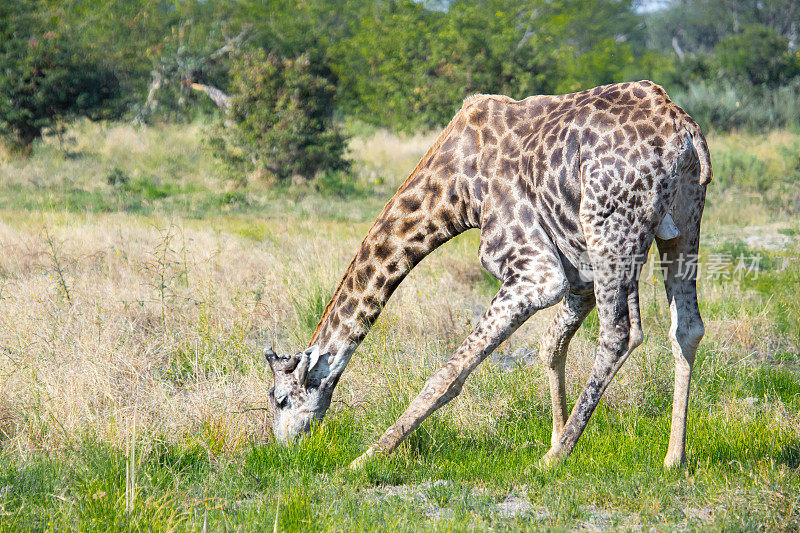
[{"x": 567, "y": 235}]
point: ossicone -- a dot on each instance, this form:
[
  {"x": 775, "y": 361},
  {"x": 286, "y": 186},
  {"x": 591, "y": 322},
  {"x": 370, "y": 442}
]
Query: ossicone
[{"x": 280, "y": 363}]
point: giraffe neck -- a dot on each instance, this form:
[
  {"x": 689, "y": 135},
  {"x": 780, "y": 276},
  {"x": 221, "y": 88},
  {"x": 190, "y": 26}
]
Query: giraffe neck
[
  {"x": 409, "y": 228},
  {"x": 430, "y": 208}
]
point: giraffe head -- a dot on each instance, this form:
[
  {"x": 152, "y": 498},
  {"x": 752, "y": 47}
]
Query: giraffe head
[{"x": 302, "y": 391}]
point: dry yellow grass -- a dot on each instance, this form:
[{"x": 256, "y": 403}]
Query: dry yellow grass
[
  {"x": 111, "y": 318},
  {"x": 145, "y": 295}
]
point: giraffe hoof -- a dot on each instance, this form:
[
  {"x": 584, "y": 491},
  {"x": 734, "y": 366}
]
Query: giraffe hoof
[
  {"x": 359, "y": 463},
  {"x": 550, "y": 460},
  {"x": 672, "y": 462}
]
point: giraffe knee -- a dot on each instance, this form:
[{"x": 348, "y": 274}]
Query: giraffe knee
[
  {"x": 687, "y": 335},
  {"x": 453, "y": 390},
  {"x": 447, "y": 383},
  {"x": 615, "y": 340},
  {"x": 549, "y": 354},
  {"x": 690, "y": 332},
  {"x": 636, "y": 335},
  {"x": 635, "y": 338},
  {"x": 546, "y": 293},
  {"x": 552, "y": 347}
]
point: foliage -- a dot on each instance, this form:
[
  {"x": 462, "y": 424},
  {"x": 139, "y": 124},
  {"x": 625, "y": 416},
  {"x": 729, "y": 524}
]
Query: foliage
[
  {"x": 405, "y": 64},
  {"x": 281, "y": 117},
  {"x": 138, "y": 37},
  {"x": 45, "y": 79},
  {"x": 727, "y": 106},
  {"x": 196, "y": 49},
  {"x": 759, "y": 55},
  {"x": 408, "y": 67},
  {"x": 697, "y": 26}
]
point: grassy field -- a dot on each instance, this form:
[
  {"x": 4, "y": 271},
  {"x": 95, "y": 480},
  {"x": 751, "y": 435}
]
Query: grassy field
[{"x": 137, "y": 284}]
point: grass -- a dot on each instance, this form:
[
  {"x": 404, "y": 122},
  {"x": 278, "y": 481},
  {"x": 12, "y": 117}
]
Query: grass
[
  {"x": 614, "y": 479},
  {"x": 137, "y": 286},
  {"x": 111, "y": 168}
]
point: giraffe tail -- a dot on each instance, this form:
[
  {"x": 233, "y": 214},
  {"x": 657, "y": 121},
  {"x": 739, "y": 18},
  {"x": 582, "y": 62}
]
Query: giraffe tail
[{"x": 697, "y": 142}]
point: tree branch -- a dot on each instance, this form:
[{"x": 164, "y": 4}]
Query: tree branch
[
  {"x": 157, "y": 80},
  {"x": 230, "y": 45},
  {"x": 677, "y": 47},
  {"x": 222, "y": 100}
]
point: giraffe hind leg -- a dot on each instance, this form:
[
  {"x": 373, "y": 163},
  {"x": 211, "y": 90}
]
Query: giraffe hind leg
[
  {"x": 620, "y": 334},
  {"x": 685, "y": 333},
  {"x": 680, "y": 282},
  {"x": 553, "y": 351}
]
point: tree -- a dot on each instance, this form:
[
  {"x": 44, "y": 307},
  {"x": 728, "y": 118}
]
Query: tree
[
  {"x": 757, "y": 54},
  {"x": 180, "y": 66},
  {"x": 692, "y": 26},
  {"x": 45, "y": 79},
  {"x": 280, "y": 118}
]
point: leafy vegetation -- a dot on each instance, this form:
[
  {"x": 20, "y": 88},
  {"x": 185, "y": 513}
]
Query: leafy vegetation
[
  {"x": 759, "y": 55},
  {"x": 403, "y": 64},
  {"x": 280, "y": 118},
  {"x": 44, "y": 80}
]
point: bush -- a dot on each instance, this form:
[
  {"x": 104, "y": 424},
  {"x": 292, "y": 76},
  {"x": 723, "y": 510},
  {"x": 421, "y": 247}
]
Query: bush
[
  {"x": 280, "y": 118},
  {"x": 758, "y": 55},
  {"x": 117, "y": 178},
  {"x": 723, "y": 106},
  {"x": 46, "y": 80}
]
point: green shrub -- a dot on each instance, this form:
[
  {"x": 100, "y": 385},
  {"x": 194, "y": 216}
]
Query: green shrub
[
  {"x": 725, "y": 106},
  {"x": 280, "y": 120},
  {"x": 337, "y": 184},
  {"x": 758, "y": 55},
  {"x": 117, "y": 177},
  {"x": 45, "y": 79}
]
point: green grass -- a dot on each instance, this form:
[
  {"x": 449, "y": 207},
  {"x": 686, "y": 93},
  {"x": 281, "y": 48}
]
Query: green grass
[
  {"x": 780, "y": 288},
  {"x": 762, "y": 383},
  {"x": 616, "y": 468},
  {"x": 742, "y": 470}
]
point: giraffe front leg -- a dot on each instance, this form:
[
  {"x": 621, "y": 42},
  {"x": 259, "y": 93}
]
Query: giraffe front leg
[
  {"x": 519, "y": 297},
  {"x": 553, "y": 351}
]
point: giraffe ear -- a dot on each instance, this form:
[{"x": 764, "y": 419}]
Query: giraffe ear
[
  {"x": 314, "y": 356},
  {"x": 308, "y": 360},
  {"x": 301, "y": 371}
]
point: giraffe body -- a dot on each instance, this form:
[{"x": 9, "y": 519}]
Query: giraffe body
[{"x": 569, "y": 192}]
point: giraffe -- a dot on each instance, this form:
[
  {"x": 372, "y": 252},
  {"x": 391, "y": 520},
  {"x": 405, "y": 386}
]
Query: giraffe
[{"x": 569, "y": 192}]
